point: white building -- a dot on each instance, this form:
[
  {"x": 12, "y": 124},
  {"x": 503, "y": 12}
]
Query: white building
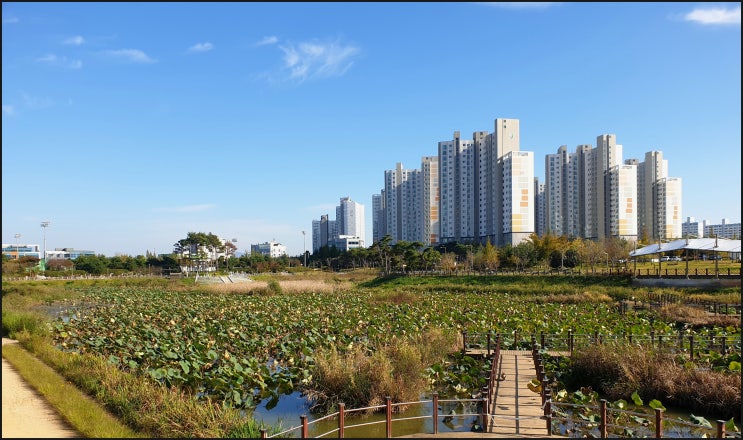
[
  {"x": 430, "y": 191},
  {"x": 622, "y": 213},
  {"x": 350, "y": 219},
  {"x": 269, "y": 248},
  {"x": 668, "y": 195},
  {"x": 518, "y": 196}
]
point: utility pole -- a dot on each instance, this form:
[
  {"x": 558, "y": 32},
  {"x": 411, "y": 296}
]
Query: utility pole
[
  {"x": 304, "y": 239},
  {"x": 44, "y": 225}
]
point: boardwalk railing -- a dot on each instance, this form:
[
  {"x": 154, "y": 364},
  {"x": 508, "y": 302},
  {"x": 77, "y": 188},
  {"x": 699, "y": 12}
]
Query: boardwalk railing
[
  {"x": 692, "y": 345},
  {"x": 302, "y": 430}
]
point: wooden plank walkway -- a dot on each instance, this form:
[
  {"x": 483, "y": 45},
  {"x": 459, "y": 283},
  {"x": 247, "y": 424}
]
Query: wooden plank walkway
[{"x": 515, "y": 409}]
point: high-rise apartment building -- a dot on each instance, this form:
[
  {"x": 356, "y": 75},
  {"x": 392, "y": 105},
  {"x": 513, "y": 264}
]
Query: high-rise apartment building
[
  {"x": 349, "y": 217},
  {"x": 668, "y": 195},
  {"x": 621, "y": 215},
  {"x": 402, "y": 205},
  {"x": 378, "y": 217},
  {"x": 518, "y": 196},
  {"x": 430, "y": 190}
]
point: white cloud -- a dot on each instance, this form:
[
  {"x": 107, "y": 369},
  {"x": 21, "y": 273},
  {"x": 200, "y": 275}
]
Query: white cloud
[
  {"x": 75, "y": 41},
  {"x": 54, "y": 60},
  {"x": 714, "y": 16},
  {"x": 131, "y": 55},
  {"x": 317, "y": 60},
  {"x": 8, "y": 110},
  {"x": 267, "y": 40},
  {"x": 10, "y": 20},
  {"x": 201, "y": 47},
  {"x": 33, "y": 102}
]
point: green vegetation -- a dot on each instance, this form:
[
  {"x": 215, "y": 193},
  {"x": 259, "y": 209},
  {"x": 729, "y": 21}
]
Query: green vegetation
[{"x": 173, "y": 358}]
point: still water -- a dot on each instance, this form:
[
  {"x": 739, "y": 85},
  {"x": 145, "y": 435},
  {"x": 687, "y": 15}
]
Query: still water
[{"x": 290, "y": 407}]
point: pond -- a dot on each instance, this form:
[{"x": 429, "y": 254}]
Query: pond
[{"x": 287, "y": 412}]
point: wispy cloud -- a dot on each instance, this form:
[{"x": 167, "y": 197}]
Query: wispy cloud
[
  {"x": 186, "y": 208},
  {"x": 10, "y": 20},
  {"x": 311, "y": 60},
  {"x": 519, "y": 5},
  {"x": 33, "y": 102},
  {"x": 75, "y": 41},
  {"x": 8, "y": 110},
  {"x": 54, "y": 60},
  {"x": 201, "y": 47},
  {"x": 267, "y": 40},
  {"x": 714, "y": 16},
  {"x": 130, "y": 55}
]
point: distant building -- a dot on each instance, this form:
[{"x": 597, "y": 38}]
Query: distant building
[
  {"x": 67, "y": 253},
  {"x": 349, "y": 222},
  {"x": 691, "y": 228},
  {"x": 348, "y": 242},
  {"x": 723, "y": 230},
  {"x": 270, "y": 248},
  {"x": 16, "y": 251}
]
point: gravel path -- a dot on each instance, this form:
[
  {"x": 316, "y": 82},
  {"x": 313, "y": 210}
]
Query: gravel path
[{"x": 25, "y": 412}]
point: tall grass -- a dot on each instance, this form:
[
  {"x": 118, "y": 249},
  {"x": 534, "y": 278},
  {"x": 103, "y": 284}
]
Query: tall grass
[
  {"x": 362, "y": 379},
  {"x": 140, "y": 403},
  {"x": 618, "y": 371}
]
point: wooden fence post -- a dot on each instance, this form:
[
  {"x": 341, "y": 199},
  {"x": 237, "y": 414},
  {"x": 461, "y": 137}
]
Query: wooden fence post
[
  {"x": 602, "y": 426},
  {"x": 305, "y": 431},
  {"x": 464, "y": 341},
  {"x": 263, "y": 432},
  {"x": 691, "y": 347},
  {"x": 484, "y": 414},
  {"x": 341, "y": 420},
  {"x": 435, "y": 413},
  {"x": 548, "y": 410},
  {"x": 489, "y": 342},
  {"x": 720, "y": 429},
  {"x": 658, "y": 423},
  {"x": 388, "y": 402}
]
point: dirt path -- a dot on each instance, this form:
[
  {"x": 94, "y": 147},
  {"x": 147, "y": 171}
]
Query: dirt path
[{"x": 25, "y": 412}]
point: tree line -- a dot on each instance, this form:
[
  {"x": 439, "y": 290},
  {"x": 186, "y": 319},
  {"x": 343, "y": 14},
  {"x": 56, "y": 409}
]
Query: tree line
[{"x": 550, "y": 251}]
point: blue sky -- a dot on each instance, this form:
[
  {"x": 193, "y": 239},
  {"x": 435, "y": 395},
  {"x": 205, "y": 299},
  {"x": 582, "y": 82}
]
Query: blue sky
[{"x": 127, "y": 125}]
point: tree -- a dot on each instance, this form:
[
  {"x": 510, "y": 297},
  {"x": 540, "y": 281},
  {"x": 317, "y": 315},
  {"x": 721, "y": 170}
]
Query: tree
[
  {"x": 448, "y": 262},
  {"x": 490, "y": 256}
]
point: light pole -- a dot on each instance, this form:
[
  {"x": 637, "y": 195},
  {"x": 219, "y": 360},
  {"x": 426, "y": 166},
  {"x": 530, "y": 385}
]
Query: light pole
[
  {"x": 44, "y": 225},
  {"x": 234, "y": 240},
  {"x": 17, "y": 247},
  {"x": 304, "y": 239}
]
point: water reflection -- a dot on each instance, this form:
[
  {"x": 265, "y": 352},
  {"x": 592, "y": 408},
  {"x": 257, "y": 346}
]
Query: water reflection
[{"x": 417, "y": 418}]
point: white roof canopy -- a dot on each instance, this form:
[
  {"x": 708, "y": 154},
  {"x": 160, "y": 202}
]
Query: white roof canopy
[{"x": 702, "y": 244}]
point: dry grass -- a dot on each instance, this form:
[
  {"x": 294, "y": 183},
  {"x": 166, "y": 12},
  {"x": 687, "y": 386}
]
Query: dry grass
[
  {"x": 618, "y": 371},
  {"x": 696, "y": 317},
  {"x": 287, "y": 286}
]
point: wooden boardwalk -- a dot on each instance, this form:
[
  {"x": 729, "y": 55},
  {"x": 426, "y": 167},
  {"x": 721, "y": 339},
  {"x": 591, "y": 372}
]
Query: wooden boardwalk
[{"x": 515, "y": 409}]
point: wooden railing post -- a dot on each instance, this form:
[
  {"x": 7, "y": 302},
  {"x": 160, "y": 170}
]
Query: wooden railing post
[
  {"x": 602, "y": 426},
  {"x": 305, "y": 430},
  {"x": 388, "y": 403},
  {"x": 543, "y": 345},
  {"x": 658, "y": 423},
  {"x": 691, "y": 347},
  {"x": 464, "y": 341},
  {"x": 484, "y": 415},
  {"x": 720, "y": 429},
  {"x": 570, "y": 341},
  {"x": 435, "y": 412},
  {"x": 548, "y": 409},
  {"x": 341, "y": 420},
  {"x": 263, "y": 432}
]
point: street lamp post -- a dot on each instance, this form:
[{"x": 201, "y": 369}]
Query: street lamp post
[
  {"x": 607, "y": 261},
  {"x": 304, "y": 239},
  {"x": 44, "y": 225},
  {"x": 17, "y": 247}
]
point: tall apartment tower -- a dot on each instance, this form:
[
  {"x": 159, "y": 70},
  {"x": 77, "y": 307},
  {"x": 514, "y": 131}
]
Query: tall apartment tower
[
  {"x": 430, "y": 192},
  {"x": 350, "y": 219},
  {"x": 607, "y": 154},
  {"x": 457, "y": 189},
  {"x": 649, "y": 173},
  {"x": 403, "y": 204},
  {"x": 540, "y": 223},
  {"x": 378, "y": 217},
  {"x": 473, "y": 199},
  {"x": 621, "y": 215},
  {"x": 668, "y": 195},
  {"x": 518, "y": 196},
  {"x": 555, "y": 177}
]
